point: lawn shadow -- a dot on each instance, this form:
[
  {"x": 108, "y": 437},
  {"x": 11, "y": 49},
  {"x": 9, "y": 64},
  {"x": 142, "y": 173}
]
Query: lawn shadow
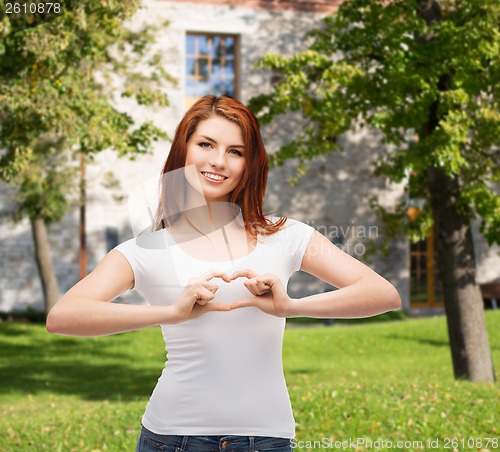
[
  {"x": 420, "y": 340},
  {"x": 89, "y": 368},
  {"x": 303, "y": 371},
  {"x": 429, "y": 341}
]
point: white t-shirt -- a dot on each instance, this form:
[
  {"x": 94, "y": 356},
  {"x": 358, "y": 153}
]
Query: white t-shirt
[{"x": 224, "y": 373}]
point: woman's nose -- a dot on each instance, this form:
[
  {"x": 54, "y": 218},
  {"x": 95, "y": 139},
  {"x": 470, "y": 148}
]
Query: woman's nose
[{"x": 218, "y": 159}]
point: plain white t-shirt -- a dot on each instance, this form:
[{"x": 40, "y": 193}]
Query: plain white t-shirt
[{"x": 224, "y": 372}]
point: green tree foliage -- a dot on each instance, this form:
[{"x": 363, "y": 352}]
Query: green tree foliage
[
  {"x": 426, "y": 74},
  {"x": 57, "y": 98},
  {"x": 59, "y": 85},
  {"x": 429, "y": 80}
]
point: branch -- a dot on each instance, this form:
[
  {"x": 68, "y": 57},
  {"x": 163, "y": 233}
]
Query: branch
[
  {"x": 429, "y": 10},
  {"x": 494, "y": 155}
]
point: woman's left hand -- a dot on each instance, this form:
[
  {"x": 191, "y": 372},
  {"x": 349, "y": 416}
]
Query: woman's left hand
[{"x": 269, "y": 294}]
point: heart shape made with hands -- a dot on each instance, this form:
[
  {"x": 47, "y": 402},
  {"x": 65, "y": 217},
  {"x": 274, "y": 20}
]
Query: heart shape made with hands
[{"x": 269, "y": 294}]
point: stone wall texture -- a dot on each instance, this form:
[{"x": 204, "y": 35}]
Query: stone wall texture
[
  {"x": 333, "y": 197},
  {"x": 317, "y": 6}
]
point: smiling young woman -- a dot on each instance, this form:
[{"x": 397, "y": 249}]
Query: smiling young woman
[
  {"x": 214, "y": 270},
  {"x": 217, "y": 151}
]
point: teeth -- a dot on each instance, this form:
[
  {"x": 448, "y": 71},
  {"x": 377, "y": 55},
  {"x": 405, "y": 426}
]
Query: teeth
[{"x": 213, "y": 176}]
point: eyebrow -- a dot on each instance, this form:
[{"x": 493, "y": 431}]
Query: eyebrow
[{"x": 213, "y": 141}]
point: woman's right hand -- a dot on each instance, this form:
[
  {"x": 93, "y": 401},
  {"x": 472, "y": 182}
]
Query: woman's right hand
[
  {"x": 196, "y": 298},
  {"x": 86, "y": 309}
]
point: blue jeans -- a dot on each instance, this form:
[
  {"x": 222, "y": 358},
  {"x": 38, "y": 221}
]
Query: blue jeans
[{"x": 149, "y": 441}]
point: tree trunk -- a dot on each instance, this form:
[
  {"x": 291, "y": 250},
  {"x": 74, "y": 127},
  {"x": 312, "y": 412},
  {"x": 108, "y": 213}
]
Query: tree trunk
[
  {"x": 457, "y": 267},
  {"x": 44, "y": 263},
  {"x": 456, "y": 260}
]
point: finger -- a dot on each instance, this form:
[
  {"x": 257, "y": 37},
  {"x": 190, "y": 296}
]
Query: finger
[
  {"x": 245, "y": 302},
  {"x": 256, "y": 286},
  {"x": 210, "y": 286},
  {"x": 251, "y": 285},
  {"x": 208, "y": 276},
  {"x": 263, "y": 286},
  {"x": 218, "y": 307},
  {"x": 247, "y": 273},
  {"x": 268, "y": 278},
  {"x": 222, "y": 276},
  {"x": 200, "y": 290},
  {"x": 271, "y": 282},
  {"x": 203, "y": 295},
  {"x": 216, "y": 274}
]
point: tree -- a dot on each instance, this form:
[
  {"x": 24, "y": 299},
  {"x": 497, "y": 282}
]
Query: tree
[
  {"x": 57, "y": 101},
  {"x": 424, "y": 68}
]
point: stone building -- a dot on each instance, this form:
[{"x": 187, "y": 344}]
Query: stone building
[{"x": 212, "y": 46}]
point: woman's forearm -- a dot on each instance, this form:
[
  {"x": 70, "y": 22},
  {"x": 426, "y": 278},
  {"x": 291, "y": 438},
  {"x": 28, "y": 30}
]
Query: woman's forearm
[
  {"x": 86, "y": 317},
  {"x": 365, "y": 298}
]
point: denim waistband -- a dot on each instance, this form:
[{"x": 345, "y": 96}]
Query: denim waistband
[{"x": 218, "y": 443}]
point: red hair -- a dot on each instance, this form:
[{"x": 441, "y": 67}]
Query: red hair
[{"x": 249, "y": 195}]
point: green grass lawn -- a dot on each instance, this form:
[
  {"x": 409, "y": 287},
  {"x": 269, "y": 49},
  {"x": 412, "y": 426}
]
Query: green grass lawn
[{"x": 382, "y": 382}]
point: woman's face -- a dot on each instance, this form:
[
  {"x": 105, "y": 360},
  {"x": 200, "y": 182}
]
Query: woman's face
[{"x": 217, "y": 151}]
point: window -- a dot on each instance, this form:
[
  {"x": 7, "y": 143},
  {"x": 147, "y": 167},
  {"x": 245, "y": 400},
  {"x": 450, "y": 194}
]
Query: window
[
  {"x": 425, "y": 285},
  {"x": 210, "y": 66}
]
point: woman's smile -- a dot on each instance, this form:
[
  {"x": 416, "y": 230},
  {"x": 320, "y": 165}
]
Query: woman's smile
[{"x": 215, "y": 178}]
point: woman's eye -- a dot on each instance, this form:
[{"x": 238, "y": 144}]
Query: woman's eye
[
  {"x": 205, "y": 145},
  {"x": 236, "y": 152}
]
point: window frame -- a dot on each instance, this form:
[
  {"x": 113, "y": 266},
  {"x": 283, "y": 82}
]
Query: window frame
[
  {"x": 188, "y": 101},
  {"x": 432, "y": 276}
]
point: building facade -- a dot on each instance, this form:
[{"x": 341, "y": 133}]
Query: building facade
[{"x": 213, "y": 47}]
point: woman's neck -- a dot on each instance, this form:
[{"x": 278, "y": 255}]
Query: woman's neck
[
  {"x": 209, "y": 218},
  {"x": 219, "y": 226}
]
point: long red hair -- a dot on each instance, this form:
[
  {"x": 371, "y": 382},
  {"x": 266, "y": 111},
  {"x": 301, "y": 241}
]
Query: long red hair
[{"x": 249, "y": 195}]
